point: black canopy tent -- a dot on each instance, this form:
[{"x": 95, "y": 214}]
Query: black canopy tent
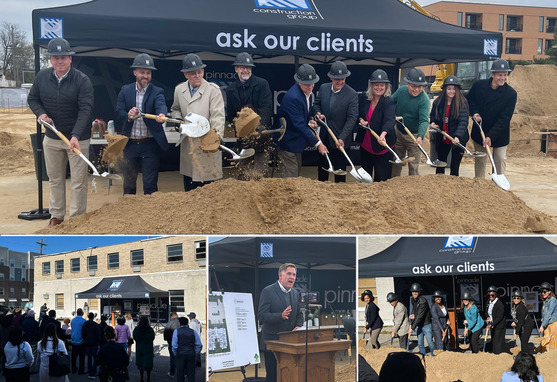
[
  {"x": 123, "y": 287},
  {"x": 384, "y": 32}
]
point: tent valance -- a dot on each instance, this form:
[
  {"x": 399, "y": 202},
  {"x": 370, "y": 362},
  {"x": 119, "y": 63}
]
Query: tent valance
[{"x": 122, "y": 287}]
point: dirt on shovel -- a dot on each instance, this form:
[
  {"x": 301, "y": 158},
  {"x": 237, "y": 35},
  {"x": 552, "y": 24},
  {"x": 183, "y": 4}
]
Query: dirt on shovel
[
  {"x": 115, "y": 149},
  {"x": 246, "y": 122},
  {"x": 210, "y": 142}
]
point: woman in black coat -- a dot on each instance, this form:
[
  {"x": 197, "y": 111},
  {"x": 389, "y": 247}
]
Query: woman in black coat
[
  {"x": 440, "y": 321},
  {"x": 377, "y": 110},
  {"x": 374, "y": 323},
  {"x": 523, "y": 323},
  {"x": 450, "y": 114}
]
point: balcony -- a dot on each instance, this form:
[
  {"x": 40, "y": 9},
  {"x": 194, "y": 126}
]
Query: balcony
[
  {"x": 513, "y": 50},
  {"x": 550, "y": 29},
  {"x": 476, "y": 26},
  {"x": 514, "y": 28}
]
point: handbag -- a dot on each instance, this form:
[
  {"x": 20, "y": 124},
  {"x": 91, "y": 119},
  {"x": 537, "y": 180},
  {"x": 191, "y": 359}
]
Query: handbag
[
  {"x": 130, "y": 341},
  {"x": 58, "y": 365}
]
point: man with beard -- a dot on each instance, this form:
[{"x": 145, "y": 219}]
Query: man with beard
[
  {"x": 421, "y": 319},
  {"x": 146, "y": 136}
]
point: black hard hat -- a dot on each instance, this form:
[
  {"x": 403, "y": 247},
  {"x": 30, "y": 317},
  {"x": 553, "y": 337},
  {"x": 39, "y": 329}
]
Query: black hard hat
[
  {"x": 143, "y": 61},
  {"x": 379, "y": 76},
  {"x": 492, "y": 288},
  {"x": 369, "y": 293},
  {"x": 243, "y": 59},
  {"x": 338, "y": 70},
  {"x": 517, "y": 293},
  {"x": 416, "y": 288},
  {"x": 467, "y": 296},
  {"x": 437, "y": 293},
  {"x": 451, "y": 80},
  {"x": 306, "y": 75},
  {"x": 546, "y": 286},
  {"x": 59, "y": 47},
  {"x": 192, "y": 62},
  {"x": 391, "y": 296},
  {"x": 500, "y": 65},
  {"x": 416, "y": 77}
]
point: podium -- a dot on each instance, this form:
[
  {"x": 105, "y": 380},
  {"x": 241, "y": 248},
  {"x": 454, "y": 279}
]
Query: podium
[{"x": 290, "y": 352}]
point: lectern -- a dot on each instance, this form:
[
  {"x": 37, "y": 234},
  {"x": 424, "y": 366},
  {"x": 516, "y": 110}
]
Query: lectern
[{"x": 290, "y": 352}]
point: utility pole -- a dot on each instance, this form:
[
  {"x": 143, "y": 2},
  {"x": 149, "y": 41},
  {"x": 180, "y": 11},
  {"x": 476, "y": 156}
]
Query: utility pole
[{"x": 41, "y": 245}]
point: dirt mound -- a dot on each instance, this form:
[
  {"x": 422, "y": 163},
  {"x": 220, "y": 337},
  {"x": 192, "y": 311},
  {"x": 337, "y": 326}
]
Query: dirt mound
[
  {"x": 16, "y": 153},
  {"x": 346, "y": 373},
  {"x": 406, "y": 205},
  {"x": 467, "y": 367}
]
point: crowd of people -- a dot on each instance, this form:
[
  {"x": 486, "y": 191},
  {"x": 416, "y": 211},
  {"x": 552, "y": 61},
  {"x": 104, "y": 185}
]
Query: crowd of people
[
  {"x": 381, "y": 122},
  {"x": 27, "y": 346},
  {"x": 429, "y": 320}
]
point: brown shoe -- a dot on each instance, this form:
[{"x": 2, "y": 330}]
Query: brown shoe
[{"x": 54, "y": 222}]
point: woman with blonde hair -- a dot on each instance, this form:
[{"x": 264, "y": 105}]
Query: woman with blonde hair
[
  {"x": 473, "y": 322},
  {"x": 549, "y": 318},
  {"x": 377, "y": 111},
  {"x": 129, "y": 324}
]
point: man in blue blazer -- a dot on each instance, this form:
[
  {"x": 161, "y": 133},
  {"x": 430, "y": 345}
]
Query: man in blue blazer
[
  {"x": 295, "y": 108},
  {"x": 338, "y": 103},
  {"x": 146, "y": 136},
  {"x": 279, "y": 311}
]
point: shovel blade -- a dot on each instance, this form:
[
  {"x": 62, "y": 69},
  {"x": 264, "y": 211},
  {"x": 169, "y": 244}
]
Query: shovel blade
[
  {"x": 111, "y": 176},
  {"x": 364, "y": 175},
  {"x": 246, "y": 153},
  {"x": 476, "y": 154},
  {"x": 437, "y": 163},
  {"x": 501, "y": 181}
]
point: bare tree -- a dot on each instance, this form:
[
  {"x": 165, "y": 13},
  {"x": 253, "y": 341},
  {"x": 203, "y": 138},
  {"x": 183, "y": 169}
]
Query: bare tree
[{"x": 16, "y": 54}]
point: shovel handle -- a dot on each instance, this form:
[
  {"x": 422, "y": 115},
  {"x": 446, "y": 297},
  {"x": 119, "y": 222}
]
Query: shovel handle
[
  {"x": 438, "y": 130},
  {"x": 487, "y": 148},
  {"x": 62, "y": 137},
  {"x": 376, "y": 136},
  {"x": 410, "y": 134}
]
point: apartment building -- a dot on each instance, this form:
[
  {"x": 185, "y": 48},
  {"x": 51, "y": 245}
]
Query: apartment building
[{"x": 16, "y": 278}]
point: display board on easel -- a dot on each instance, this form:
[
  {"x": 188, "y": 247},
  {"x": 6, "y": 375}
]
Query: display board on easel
[{"x": 232, "y": 331}]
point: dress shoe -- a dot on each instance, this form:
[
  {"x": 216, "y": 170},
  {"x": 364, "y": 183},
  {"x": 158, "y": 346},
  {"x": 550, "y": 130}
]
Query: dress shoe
[{"x": 53, "y": 222}]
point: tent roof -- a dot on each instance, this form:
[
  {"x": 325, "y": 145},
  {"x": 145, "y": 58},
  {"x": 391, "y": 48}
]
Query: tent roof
[
  {"x": 460, "y": 255},
  {"x": 383, "y": 32},
  {"x": 299, "y": 250},
  {"x": 122, "y": 287}
]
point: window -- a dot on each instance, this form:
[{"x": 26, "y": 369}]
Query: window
[
  {"x": 1, "y": 291},
  {"x": 59, "y": 266},
  {"x": 2, "y": 261},
  {"x": 513, "y": 46},
  {"x": 174, "y": 253},
  {"x": 59, "y": 301},
  {"x": 137, "y": 258},
  {"x": 92, "y": 263},
  {"x": 75, "y": 264},
  {"x": 548, "y": 44},
  {"x": 177, "y": 300},
  {"x": 514, "y": 23},
  {"x": 46, "y": 268},
  {"x": 24, "y": 291},
  {"x": 12, "y": 263},
  {"x": 540, "y": 46},
  {"x": 501, "y": 22},
  {"x": 23, "y": 264},
  {"x": 540, "y": 24},
  {"x": 473, "y": 21},
  {"x": 200, "y": 250},
  {"x": 12, "y": 292},
  {"x": 94, "y": 304},
  {"x": 459, "y": 19},
  {"x": 113, "y": 260},
  {"x": 1, "y": 276},
  {"x": 550, "y": 25}
]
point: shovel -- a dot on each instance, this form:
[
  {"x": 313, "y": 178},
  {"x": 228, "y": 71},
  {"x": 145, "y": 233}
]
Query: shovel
[
  {"x": 361, "y": 175},
  {"x": 76, "y": 151},
  {"x": 281, "y": 130},
  {"x": 465, "y": 345},
  {"x": 193, "y": 125},
  {"x": 245, "y": 153},
  {"x": 499, "y": 179},
  {"x": 362, "y": 342},
  {"x": 397, "y": 160},
  {"x": 477, "y": 154},
  {"x": 330, "y": 169},
  {"x": 485, "y": 338},
  {"x": 437, "y": 162}
]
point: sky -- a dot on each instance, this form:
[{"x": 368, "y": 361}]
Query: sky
[{"x": 66, "y": 243}]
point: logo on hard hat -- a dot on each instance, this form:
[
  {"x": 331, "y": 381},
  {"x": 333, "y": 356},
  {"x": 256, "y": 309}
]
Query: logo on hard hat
[
  {"x": 194, "y": 63},
  {"x": 147, "y": 62}
]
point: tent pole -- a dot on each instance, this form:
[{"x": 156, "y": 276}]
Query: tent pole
[
  {"x": 296, "y": 63},
  {"x": 396, "y": 80}
]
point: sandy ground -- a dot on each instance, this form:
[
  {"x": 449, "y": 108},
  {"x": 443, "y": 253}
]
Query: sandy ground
[{"x": 458, "y": 365}]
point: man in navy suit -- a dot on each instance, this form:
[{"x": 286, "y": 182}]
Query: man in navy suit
[
  {"x": 338, "y": 103},
  {"x": 279, "y": 311},
  {"x": 146, "y": 136},
  {"x": 295, "y": 108}
]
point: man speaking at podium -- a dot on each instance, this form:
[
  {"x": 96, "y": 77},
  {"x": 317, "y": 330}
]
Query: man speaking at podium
[{"x": 279, "y": 311}]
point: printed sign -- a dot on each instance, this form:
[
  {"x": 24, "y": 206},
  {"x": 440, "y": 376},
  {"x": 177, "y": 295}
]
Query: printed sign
[{"x": 51, "y": 28}]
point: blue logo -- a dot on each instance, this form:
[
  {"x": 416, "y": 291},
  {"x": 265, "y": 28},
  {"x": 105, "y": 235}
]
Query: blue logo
[
  {"x": 460, "y": 242},
  {"x": 490, "y": 47},
  {"x": 116, "y": 284},
  {"x": 266, "y": 250},
  {"x": 51, "y": 28},
  {"x": 284, "y": 4}
]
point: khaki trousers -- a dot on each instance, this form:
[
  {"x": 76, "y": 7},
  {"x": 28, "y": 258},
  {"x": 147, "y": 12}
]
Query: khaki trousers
[
  {"x": 57, "y": 155},
  {"x": 406, "y": 146},
  {"x": 499, "y": 157},
  {"x": 290, "y": 164}
]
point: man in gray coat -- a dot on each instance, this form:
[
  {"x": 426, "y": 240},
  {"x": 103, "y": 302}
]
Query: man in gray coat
[
  {"x": 338, "y": 103},
  {"x": 400, "y": 319}
]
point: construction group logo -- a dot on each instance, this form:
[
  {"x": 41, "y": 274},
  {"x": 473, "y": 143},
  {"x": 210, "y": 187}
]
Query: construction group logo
[
  {"x": 460, "y": 244},
  {"x": 116, "y": 284},
  {"x": 292, "y": 9}
]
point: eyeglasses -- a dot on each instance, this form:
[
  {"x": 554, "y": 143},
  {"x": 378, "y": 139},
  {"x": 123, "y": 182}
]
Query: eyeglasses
[
  {"x": 517, "y": 298},
  {"x": 545, "y": 291},
  {"x": 492, "y": 295}
]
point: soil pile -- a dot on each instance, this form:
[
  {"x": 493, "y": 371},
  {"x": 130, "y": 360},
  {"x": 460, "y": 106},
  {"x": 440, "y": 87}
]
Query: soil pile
[
  {"x": 467, "y": 367},
  {"x": 346, "y": 373},
  {"x": 405, "y": 205},
  {"x": 16, "y": 152},
  {"x": 536, "y": 107}
]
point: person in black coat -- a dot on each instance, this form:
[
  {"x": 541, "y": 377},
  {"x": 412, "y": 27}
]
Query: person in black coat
[
  {"x": 112, "y": 359},
  {"x": 102, "y": 327},
  {"x": 492, "y": 102},
  {"x": 374, "y": 323},
  {"x": 337, "y": 102},
  {"x": 495, "y": 319},
  {"x": 420, "y": 319},
  {"x": 440, "y": 321},
  {"x": 91, "y": 334},
  {"x": 450, "y": 114},
  {"x": 522, "y": 323},
  {"x": 51, "y": 318},
  {"x": 377, "y": 110}
]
